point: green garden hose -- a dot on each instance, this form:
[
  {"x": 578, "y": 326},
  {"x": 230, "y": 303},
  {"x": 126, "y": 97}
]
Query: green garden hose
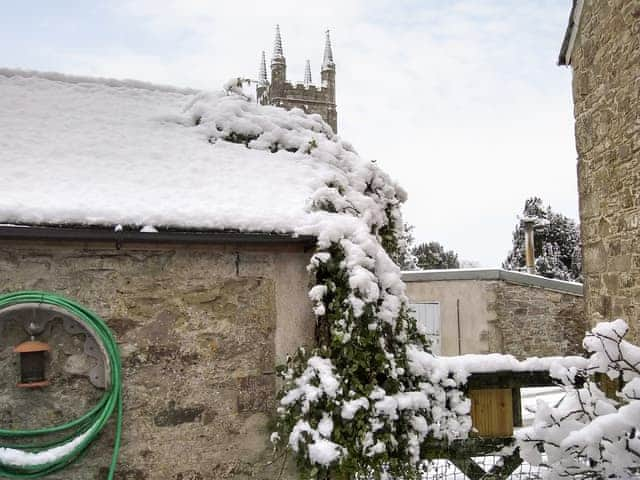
[{"x": 46, "y": 457}]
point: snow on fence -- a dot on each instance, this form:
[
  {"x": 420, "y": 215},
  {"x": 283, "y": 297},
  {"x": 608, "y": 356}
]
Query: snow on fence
[
  {"x": 497, "y": 386},
  {"x": 446, "y": 470},
  {"x": 442, "y": 469}
]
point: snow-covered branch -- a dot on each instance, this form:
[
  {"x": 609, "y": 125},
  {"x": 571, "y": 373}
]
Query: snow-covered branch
[{"x": 589, "y": 435}]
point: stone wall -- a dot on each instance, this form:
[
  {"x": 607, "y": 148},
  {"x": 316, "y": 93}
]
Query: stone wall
[
  {"x": 606, "y": 90},
  {"x": 200, "y": 330},
  {"x": 311, "y": 99},
  {"x": 532, "y": 321}
]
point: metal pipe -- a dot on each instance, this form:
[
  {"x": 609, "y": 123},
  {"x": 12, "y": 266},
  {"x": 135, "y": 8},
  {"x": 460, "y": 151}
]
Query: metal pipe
[
  {"x": 529, "y": 245},
  {"x": 459, "y": 336}
]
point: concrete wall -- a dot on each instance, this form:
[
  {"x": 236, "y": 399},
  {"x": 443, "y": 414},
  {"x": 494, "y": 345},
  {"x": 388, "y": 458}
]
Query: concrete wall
[
  {"x": 501, "y": 316},
  {"x": 200, "y": 330},
  {"x": 476, "y": 300},
  {"x": 606, "y": 90}
]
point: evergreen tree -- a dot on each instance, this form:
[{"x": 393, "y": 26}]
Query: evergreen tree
[
  {"x": 405, "y": 257},
  {"x": 556, "y": 243},
  {"x": 432, "y": 255}
]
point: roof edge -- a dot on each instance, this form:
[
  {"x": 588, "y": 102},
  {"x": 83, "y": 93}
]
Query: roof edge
[
  {"x": 564, "y": 58},
  {"x": 109, "y": 82},
  {"x": 23, "y": 232},
  {"x": 509, "y": 276}
]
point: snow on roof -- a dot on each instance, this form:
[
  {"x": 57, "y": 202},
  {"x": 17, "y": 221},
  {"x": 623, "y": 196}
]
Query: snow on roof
[
  {"x": 509, "y": 276},
  {"x": 97, "y": 152}
]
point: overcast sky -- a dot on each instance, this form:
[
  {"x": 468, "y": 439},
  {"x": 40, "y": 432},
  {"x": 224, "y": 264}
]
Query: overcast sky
[{"x": 460, "y": 101}]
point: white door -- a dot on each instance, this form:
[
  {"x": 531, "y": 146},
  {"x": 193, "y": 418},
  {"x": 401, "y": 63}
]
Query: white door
[{"x": 427, "y": 316}]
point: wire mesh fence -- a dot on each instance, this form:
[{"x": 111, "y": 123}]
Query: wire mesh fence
[{"x": 442, "y": 469}]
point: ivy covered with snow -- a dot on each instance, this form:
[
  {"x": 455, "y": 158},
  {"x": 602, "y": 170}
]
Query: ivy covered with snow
[
  {"x": 358, "y": 403},
  {"x": 589, "y": 434}
]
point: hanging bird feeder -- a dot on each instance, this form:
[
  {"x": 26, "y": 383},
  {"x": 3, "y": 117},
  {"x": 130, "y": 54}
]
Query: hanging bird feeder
[{"x": 33, "y": 357}]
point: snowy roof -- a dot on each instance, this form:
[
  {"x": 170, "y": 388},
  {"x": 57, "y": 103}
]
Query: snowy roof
[
  {"x": 98, "y": 152},
  {"x": 509, "y": 276}
]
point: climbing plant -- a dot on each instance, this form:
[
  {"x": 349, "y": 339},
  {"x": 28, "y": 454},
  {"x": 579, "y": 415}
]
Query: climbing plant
[{"x": 363, "y": 400}]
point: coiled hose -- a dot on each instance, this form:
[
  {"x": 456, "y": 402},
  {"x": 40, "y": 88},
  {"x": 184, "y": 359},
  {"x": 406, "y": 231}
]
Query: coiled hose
[{"x": 40, "y": 457}]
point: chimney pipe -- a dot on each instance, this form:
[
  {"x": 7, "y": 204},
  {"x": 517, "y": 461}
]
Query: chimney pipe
[{"x": 529, "y": 223}]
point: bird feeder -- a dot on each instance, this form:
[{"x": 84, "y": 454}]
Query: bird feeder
[{"x": 32, "y": 364}]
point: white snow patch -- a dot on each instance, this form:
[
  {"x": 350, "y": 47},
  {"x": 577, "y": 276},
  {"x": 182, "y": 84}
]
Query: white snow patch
[
  {"x": 324, "y": 452},
  {"x": 351, "y": 407},
  {"x": 20, "y": 458}
]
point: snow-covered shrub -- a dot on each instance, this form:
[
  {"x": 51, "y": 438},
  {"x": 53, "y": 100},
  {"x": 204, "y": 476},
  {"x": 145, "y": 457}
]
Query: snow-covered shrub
[
  {"x": 357, "y": 405},
  {"x": 381, "y": 410},
  {"x": 590, "y": 435}
]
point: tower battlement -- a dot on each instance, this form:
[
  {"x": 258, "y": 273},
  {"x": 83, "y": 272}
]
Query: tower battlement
[{"x": 304, "y": 95}]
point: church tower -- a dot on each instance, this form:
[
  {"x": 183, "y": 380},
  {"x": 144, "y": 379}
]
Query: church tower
[
  {"x": 328, "y": 75},
  {"x": 278, "y": 68},
  {"x": 304, "y": 95}
]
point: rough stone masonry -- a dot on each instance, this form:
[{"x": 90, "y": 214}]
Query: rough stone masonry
[
  {"x": 606, "y": 89},
  {"x": 536, "y": 322},
  {"x": 200, "y": 329}
]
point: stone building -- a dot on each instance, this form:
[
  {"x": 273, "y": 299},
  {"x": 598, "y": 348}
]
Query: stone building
[
  {"x": 182, "y": 243},
  {"x": 304, "y": 95},
  {"x": 498, "y": 311},
  {"x": 602, "y": 46}
]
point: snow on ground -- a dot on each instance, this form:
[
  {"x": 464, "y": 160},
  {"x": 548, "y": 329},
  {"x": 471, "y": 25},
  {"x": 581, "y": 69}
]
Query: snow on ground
[
  {"x": 103, "y": 152},
  {"x": 529, "y": 397}
]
